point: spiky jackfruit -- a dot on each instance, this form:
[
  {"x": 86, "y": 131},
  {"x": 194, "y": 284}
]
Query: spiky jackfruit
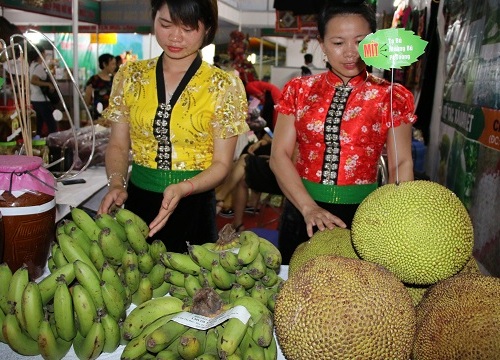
[
  {"x": 459, "y": 318},
  {"x": 328, "y": 242},
  {"x": 418, "y": 229},
  {"x": 341, "y": 308}
]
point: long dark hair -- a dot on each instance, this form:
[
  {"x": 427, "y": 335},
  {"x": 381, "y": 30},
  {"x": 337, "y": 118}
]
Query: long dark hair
[
  {"x": 189, "y": 12},
  {"x": 332, "y": 8}
]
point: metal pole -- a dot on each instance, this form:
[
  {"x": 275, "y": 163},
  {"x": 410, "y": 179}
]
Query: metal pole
[{"x": 76, "y": 98}]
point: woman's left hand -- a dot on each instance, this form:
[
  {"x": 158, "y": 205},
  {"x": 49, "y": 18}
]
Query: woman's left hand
[{"x": 171, "y": 197}]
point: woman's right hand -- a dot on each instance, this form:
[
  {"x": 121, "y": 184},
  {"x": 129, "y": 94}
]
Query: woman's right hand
[
  {"x": 115, "y": 198},
  {"x": 316, "y": 216}
]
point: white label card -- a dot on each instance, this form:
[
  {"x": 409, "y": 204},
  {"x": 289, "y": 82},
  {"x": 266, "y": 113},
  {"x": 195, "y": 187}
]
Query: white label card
[{"x": 204, "y": 323}]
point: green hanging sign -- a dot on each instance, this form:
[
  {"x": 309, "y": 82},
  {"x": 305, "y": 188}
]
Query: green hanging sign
[
  {"x": 391, "y": 48},
  {"x": 2, "y": 81}
]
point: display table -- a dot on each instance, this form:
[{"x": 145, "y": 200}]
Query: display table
[
  {"x": 6, "y": 353},
  {"x": 75, "y": 195}
]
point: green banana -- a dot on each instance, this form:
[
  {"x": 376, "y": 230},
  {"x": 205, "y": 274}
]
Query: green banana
[
  {"x": 191, "y": 343},
  {"x": 47, "y": 285},
  {"x": 229, "y": 261},
  {"x": 168, "y": 354},
  {"x": 105, "y": 220},
  {"x": 270, "y": 278},
  {"x": 61, "y": 227},
  {"x": 145, "y": 262},
  {"x": 135, "y": 237},
  {"x": 157, "y": 275},
  {"x": 231, "y": 336},
  {"x": 84, "y": 308},
  {"x": 51, "y": 265},
  {"x": 122, "y": 215},
  {"x": 113, "y": 301},
  {"x": 156, "y": 248},
  {"x": 205, "y": 278},
  {"x": 251, "y": 350},
  {"x": 144, "y": 291},
  {"x": 271, "y": 301},
  {"x": 178, "y": 292},
  {"x": 147, "y": 312},
  {"x": 132, "y": 277},
  {"x": 271, "y": 352},
  {"x": 260, "y": 293},
  {"x": 202, "y": 256},
  {"x": 174, "y": 277},
  {"x": 111, "y": 245},
  {"x": 5, "y": 278},
  {"x": 64, "y": 312},
  {"x": 90, "y": 346},
  {"x": 58, "y": 255},
  {"x": 183, "y": 263},
  {"x": 18, "y": 283},
  {"x": 191, "y": 284},
  {"x": 223, "y": 280},
  {"x": 237, "y": 290},
  {"x": 262, "y": 330},
  {"x": 73, "y": 252},
  {"x": 16, "y": 338},
  {"x": 51, "y": 346},
  {"x": 211, "y": 338},
  {"x": 249, "y": 247},
  {"x": 136, "y": 347},
  {"x": 257, "y": 268},
  {"x": 85, "y": 222},
  {"x": 244, "y": 279},
  {"x": 130, "y": 258},
  {"x": 80, "y": 237},
  {"x": 90, "y": 281},
  {"x": 110, "y": 276},
  {"x": 32, "y": 309},
  {"x": 254, "y": 307},
  {"x": 162, "y": 290},
  {"x": 111, "y": 332},
  {"x": 96, "y": 255},
  {"x": 164, "y": 335},
  {"x": 271, "y": 254},
  {"x": 2, "y": 318}
]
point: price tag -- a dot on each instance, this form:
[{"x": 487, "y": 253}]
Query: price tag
[{"x": 204, "y": 323}]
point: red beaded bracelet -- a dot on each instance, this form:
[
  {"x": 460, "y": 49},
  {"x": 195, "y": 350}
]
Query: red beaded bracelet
[{"x": 192, "y": 188}]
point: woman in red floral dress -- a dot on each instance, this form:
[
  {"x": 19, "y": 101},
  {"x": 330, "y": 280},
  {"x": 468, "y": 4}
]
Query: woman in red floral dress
[{"x": 332, "y": 128}]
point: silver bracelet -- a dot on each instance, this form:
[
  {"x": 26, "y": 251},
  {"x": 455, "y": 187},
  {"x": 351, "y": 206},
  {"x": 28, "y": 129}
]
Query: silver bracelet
[{"x": 117, "y": 174}]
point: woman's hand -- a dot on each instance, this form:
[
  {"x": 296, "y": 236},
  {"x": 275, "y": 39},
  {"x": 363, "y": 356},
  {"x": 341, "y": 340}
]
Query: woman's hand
[
  {"x": 114, "y": 198},
  {"x": 321, "y": 218},
  {"x": 171, "y": 197}
]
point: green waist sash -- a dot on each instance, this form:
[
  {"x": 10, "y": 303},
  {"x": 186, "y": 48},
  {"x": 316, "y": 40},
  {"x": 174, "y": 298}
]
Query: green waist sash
[
  {"x": 338, "y": 194},
  {"x": 157, "y": 180}
]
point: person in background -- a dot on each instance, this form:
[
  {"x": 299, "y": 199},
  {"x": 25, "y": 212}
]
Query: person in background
[
  {"x": 45, "y": 122},
  {"x": 217, "y": 61},
  {"x": 119, "y": 62},
  {"x": 98, "y": 87},
  {"x": 308, "y": 65},
  {"x": 181, "y": 116},
  {"x": 332, "y": 128}
]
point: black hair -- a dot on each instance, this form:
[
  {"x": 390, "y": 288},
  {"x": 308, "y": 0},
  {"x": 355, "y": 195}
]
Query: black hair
[
  {"x": 332, "y": 8},
  {"x": 104, "y": 60},
  {"x": 308, "y": 58},
  {"x": 189, "y": 13}
]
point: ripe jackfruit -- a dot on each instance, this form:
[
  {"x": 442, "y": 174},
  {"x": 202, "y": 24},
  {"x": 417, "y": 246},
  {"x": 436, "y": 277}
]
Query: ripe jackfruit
[
  {"x": 328, "y": 242},
  {"x": 341, "y": 308},
  {"x": 459, "y": 318},
  {"x": 418, "y": 229}
]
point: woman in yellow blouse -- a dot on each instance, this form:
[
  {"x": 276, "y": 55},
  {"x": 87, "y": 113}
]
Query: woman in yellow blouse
[{"x": 180, "y": 116}]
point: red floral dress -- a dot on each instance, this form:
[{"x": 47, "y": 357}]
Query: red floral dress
[{"x": 342, "y": 129}]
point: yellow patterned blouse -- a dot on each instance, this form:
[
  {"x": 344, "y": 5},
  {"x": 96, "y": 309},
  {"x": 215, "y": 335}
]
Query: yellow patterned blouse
[{"x": 212, "y": 105}]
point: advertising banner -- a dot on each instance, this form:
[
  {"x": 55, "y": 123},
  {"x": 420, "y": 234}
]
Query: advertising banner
[{"x": 469, "y": 138}]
